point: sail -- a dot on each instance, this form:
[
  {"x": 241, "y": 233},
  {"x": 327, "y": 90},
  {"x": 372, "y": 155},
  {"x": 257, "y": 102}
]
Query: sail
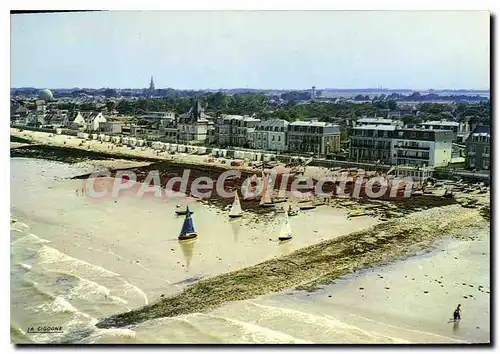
[
  {"x": 188, "y": 226},
  {"x": 236, "y": 208},
  {"x": 286, "y": 230}
]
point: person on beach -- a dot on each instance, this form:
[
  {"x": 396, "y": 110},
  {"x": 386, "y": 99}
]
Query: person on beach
[{"x": 456, "y": 313}]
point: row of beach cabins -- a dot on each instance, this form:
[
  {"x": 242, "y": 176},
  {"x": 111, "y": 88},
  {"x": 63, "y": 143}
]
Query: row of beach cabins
[{"x": 179, "y": 148}]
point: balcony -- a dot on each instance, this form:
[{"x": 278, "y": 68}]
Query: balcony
[
  {"x": 409, "y": 147},
  {"x": 411, "y": 157},
  {"x": 370, "y": 146}
]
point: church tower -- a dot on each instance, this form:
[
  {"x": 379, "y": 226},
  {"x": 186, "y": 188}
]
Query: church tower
[{"x": 151, "y": 87}]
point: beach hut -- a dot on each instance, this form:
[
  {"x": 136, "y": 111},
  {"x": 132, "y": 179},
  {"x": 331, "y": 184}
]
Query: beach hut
[
  {"x": 258, "y": 156},
  {"x": 202, "y": 150},
  {"x": 132, "y": 142},
  {"x": 94, "y": 136},
  {"x": 58, "y": 131},
  {"x": 107, "y": 138},
  {"x": 167, "y": 146},
  {"x": 140, "y": 142}
]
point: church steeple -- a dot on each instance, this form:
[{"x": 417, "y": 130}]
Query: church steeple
[{"x": 151, "y": 86}]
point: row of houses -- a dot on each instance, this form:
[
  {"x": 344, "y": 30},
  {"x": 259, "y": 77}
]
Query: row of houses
[{"x": 372, "y": 140}]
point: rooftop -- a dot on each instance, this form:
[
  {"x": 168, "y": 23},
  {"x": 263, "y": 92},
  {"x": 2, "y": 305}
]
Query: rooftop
[
  {"x": 376, "y": 127},
  {"x": 443, "y": 123},
  {"x": 312, "y": 124},
  {"x": 376, "y": 120}
]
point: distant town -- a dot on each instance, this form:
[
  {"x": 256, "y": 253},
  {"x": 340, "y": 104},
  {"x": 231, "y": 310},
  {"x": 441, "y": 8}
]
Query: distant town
[{"x": 447, "y": 130}]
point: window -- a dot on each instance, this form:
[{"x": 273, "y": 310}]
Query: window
[
  {"x": 400, "y": 133},
  {"x": 472, "y": 162},
  {"x": 272, "y": 138},
  {"x": 487, "y": 150},
  {"x": 486, "y": 164},
  {"x": 385, "y": 133},
  {"x": 472, "y": 149},
  {"x": 413, "y": 134},
  {"x": 426, "y": 134},
  {"x": 279, "y": 137}
]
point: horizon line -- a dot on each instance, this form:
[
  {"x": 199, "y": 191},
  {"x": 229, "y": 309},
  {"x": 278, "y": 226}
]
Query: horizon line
[{"x": 254, "y": 89}]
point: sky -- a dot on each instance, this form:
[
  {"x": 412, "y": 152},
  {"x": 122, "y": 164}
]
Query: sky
[{"x": 252, "y": 49}]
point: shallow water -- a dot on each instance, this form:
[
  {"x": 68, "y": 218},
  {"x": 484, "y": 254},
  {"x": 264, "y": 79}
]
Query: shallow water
[{"x": 74, "y": 261}]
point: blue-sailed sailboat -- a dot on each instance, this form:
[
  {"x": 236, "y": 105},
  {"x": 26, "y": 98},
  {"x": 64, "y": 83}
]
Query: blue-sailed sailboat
[{"x": 187, "y": 231}]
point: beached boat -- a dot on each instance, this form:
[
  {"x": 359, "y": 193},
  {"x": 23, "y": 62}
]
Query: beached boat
[
  {"x": 187, "y": 231},
  {"x": 307, "y": 206},
  {"x": 236, "y": 211},
  {"x": 182, "y": 211},
  {"x": 286, "y": 230},
  {"x": 359, "y": 213}
]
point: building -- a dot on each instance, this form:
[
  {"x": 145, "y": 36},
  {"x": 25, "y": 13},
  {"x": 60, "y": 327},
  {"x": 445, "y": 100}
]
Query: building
[
  {"x": 223, "y": 129},
  {"x": 318, "y": 138},
  {"x": 111, "y": 127},
  {"x": 35, "y": 118},
  {"x": 193, "y": 126},
  {"x": 88, "y": 121},
  {"x": 372, "y": 143},
  {"x": 151, "y": 90},
  {"x": 235, "y": 130},
  {"x": 57, "y": 119},
  {"x": 479, "y": 148},
  {"x": 270, "y": 135},
  {"x": 392, "y": 145},
  {"x": 159, "y": 119},
  {"x": 422, "y": 147}
]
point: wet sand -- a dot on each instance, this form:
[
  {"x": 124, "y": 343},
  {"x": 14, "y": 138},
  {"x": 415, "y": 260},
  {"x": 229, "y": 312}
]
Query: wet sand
[{"x": 311, "y": 266}]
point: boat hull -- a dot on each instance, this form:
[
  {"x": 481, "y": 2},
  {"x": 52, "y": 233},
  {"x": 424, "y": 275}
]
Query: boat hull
[
  {"x": 284, "y": 238},
  {"x": 307, "y": 207},
  {"x": 188, "y": 236},
  {"x": 235, "y": 216},
  {"x": 267, "y": 205},
  {"x": 183, "y": 212}
]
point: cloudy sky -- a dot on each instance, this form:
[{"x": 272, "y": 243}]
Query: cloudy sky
[{"x": 267, "y": 50}]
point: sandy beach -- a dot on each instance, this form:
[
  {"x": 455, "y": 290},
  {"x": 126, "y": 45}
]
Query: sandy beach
[{"x": 90, "y": 260}]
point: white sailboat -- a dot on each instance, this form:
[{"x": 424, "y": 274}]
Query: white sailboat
[
  {"x": 236, "y": 208},
  {"x": 286, "y": 230}
]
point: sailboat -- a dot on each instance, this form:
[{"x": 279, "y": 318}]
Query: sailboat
[
  {"x": 286, "y": 230},
  {"x": 187, "y": 231},
  {"x": 236, "y": 211}
]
